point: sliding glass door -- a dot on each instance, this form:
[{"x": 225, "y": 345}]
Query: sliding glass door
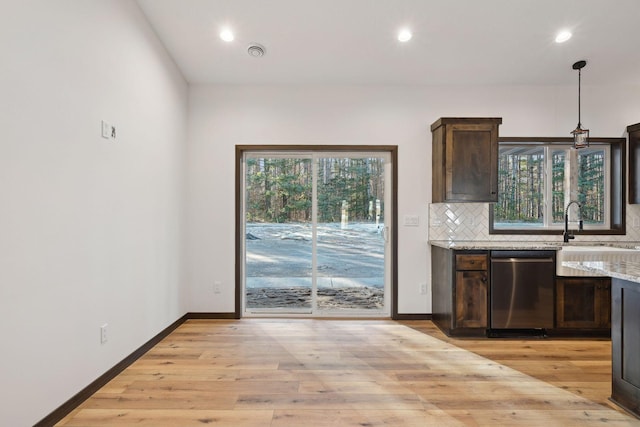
[
  {"x": 316, "y": 233},
  {"x": 278, "y": 233}
]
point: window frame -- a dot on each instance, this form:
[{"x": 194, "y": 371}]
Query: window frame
[
  {"x": 616, "y": 183},
  {"x": 239, "y": 194}
]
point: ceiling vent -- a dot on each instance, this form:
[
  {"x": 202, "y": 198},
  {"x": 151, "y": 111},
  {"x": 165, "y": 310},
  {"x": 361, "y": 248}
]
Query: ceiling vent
[{"x": 256, "y": 50}]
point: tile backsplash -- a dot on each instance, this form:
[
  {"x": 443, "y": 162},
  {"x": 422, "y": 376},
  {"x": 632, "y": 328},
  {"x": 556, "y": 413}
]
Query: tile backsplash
[{"x": 470, "y": 221}]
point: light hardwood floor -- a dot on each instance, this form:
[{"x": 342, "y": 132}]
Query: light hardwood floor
[{"x": 303, "y": 372}]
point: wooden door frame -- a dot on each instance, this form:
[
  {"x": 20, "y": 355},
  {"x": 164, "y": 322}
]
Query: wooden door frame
[{"x": 393, "y": 152}]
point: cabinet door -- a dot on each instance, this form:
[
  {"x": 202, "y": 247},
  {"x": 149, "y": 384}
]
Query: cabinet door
[
  {"x": 471, "y": 299},
  {"x": 604, "y": 303},
  {"x": 634, "y": 163},
  {"x": 583, "y": 302},
  {"x": 625, "y": 345},
  {"x": 471, "y": 166}
]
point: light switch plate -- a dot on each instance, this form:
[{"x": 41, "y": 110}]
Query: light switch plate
[
  {"x": 411, "y": 220},
  {"x": 103, "y": 333},
  {"x": 106, "y": 130}
]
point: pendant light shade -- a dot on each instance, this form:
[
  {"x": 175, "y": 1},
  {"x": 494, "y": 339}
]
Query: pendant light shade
[{"x": 580, "y": 136}]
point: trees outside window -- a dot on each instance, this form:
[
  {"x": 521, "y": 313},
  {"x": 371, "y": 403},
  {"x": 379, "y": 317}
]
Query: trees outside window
[
  {"x": 279, "y": 189},
  {"x": 536, "y": 181}
]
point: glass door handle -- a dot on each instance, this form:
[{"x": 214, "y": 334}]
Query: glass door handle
[{"x": 385, "y": 233}]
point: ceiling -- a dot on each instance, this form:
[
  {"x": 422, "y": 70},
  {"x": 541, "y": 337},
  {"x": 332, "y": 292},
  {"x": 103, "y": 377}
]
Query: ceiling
[{"x": 347, "y": 42}]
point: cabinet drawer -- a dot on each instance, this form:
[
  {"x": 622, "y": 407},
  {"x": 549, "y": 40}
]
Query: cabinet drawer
[{"x": 471, "y": 262}]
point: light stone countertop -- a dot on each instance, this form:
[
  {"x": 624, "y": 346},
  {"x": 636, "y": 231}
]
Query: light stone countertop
[
  {"x": 622, "y": 269},
  {"x": 530, "y": 245},
  {"x": 495, "y": 245},
  {"x": 573, "y": 259}
]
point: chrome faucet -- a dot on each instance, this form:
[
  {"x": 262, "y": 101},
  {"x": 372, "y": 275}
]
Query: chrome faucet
[{"x": 566, "y": 235}]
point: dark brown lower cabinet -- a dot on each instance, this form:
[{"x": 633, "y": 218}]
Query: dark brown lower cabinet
[
  {"x": 460, "y": 298},
  {"x": 471, "y": 299},
  {"x": 625, "y": 344},
  {"x": 460, "y": 284},
  {"x": 583, "y": 303}
]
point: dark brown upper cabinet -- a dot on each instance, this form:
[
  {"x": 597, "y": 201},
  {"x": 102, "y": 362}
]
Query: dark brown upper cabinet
[
  {"x": 465, "y": 159},
  {"x": 634, "y": 163}
]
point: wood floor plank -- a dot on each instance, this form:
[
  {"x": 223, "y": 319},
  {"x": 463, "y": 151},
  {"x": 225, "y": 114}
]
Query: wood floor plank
[
  {"x": 371, "y": 387},
  {"x": 169, "y": 418},
  {"x": 185, "y": 400},
  {"x": 306, "y": 372},
  {"x": 227, "y": 363},
  {"x": 151, "y": 387},
  {"x": 330, "y": 401},
  {"x": 537, "y": 418},
  {"x": 359, "y": 418}
]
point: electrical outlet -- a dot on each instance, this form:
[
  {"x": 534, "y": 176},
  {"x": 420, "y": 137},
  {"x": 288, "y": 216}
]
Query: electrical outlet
[
  {"x": 423, "y": 288},
  {"x": 103, "y": 333},
  {"x": 216, "y": 286}
]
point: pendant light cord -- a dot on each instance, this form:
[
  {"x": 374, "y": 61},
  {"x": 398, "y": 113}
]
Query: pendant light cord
[{"x": 579, "y": 85}]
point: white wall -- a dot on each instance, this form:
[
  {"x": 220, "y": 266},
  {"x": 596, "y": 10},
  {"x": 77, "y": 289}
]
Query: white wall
[
  {"x": 90, "y": 230},
  {"x": 222, "y": 116}
]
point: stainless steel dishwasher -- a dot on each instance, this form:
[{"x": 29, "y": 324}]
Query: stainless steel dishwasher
[{"x": 521, "y": 293}]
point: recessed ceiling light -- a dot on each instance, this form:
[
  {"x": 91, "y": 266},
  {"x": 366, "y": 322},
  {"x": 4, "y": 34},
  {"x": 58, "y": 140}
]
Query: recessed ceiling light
[
  {"x": 404, "y": 35},
  {"x": 563, "y": 36},
  {"x": 227, "y": 35}
]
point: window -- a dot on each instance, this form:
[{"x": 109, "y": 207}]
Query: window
[{"x": 537, "y": 178}]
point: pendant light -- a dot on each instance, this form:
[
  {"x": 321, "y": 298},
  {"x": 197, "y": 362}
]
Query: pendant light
[{"x": 580, "y": 136}]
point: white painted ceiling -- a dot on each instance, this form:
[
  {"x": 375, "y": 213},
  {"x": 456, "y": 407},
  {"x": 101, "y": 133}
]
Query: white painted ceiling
[{"x": 455, "y": 42}]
